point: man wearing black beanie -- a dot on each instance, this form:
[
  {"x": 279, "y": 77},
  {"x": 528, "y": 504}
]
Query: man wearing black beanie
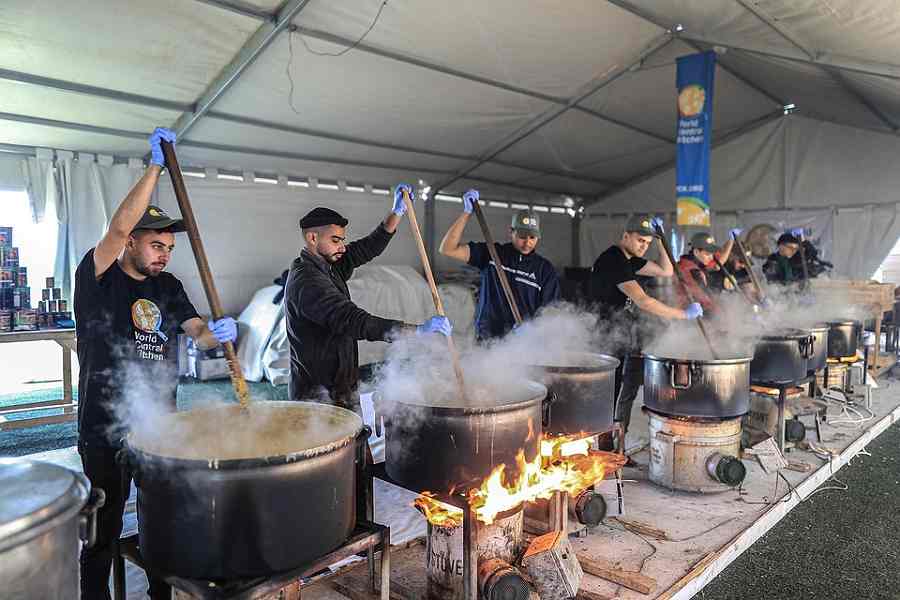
[{"x": 323, "y": 324}]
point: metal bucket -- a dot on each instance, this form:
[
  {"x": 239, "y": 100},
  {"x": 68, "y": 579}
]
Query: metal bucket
[{"x": 44, "y": 516}]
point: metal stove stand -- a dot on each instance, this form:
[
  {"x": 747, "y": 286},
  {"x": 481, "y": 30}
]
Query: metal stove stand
[
  {"x": 368, "y": 537},
  {"x": 782, "y": 387}
]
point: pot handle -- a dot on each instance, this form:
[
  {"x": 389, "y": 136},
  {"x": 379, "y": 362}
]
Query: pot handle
[
  {"x": 87, "y": 518},
  {"x": 673, "y": 367},
  {"x": 546, "y": 408}
]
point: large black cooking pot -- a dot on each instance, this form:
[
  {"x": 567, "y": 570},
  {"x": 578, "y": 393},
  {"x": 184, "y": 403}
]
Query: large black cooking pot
[
  {"x": 582, "y": 388},
  {"x": 782, "y": 356},
  {"x": 843, "y": 338},
  {"x": 697, "y": 388},
  {"x": 819, "y": 355},
  {"x": 439, "y": 444},
  {"x": 225, "y": 495}
]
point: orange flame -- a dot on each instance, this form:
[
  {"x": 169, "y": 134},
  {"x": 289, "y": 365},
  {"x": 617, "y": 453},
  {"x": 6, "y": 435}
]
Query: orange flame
[
  {"x": 564, "y": 463},
  {"x": 436, "y": 512}
]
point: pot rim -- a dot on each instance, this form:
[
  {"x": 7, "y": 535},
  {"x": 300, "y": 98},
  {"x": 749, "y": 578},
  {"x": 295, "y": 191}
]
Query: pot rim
[
  {"x": 789, "y": 333},
  {"x": 842, "y": 323},
  {"x": 540, "y": 392},
  {"x": 717, "y": 361},
  {"x": 145, "y": 458},
  {"x": 58, "y": 511},
  {"x": 605, "y": 364}
]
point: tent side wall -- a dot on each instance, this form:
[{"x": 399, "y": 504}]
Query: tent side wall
[
  {"x": 251, "y": 235},
  {"x": 795, "y": 168}
]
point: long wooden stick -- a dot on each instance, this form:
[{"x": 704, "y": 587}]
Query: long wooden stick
[
  {"x": 733, "y": 281},
  {"x": 209, "y": 286},
  {"x": 745, "y": 257},
  {"x": 498, "y": 266},
  {"x": 687, "y": 290},
  {"x": 432, "y": 285}
]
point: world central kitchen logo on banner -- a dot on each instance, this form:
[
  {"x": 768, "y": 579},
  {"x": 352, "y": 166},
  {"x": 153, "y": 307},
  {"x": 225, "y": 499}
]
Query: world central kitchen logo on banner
[{"x": 695, "y": 100}]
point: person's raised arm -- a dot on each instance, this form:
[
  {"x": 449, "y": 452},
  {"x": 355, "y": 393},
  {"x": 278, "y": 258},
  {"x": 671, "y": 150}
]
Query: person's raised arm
[
  {"x": 132, "y": 208},
  {"x": 450, "y": 245}
]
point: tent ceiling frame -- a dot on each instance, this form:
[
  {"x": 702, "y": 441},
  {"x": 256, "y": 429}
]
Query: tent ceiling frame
[
  {"x": 430, "y": 66},
  {"x": 249, "y": 52},
  {"x": 141, "y": 135},
  {"x": 141, "y": 100},
  {"x": 831, "y": 71},
  {"x": 553, "y": 113},
  {"x": 363, "y": 47},
  {"x": 240, "y": 8},
  {"x": 662, "y": 167},
  {"x": 628, "y": 7}
]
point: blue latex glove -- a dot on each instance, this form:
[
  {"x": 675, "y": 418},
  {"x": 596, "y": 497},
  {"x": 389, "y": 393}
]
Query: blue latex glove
[
  {"x": 400, "y": 206},
  {"x": 736, "y": 233},
  {"x": 224, "y": 330},
  {"x": 797, "y": 232},
  {"x": 657, "y": 223},
  {"x": 766, "y": 303},
  {"x": 693, "y": 311},
  {"x": 156, "y": 154},
  {"x": 469, "y": 200},
  {"x": 435, "y": 324}
]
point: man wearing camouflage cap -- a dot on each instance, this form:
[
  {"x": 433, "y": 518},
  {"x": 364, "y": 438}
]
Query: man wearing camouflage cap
[
  {"x": 700, "y": 268},
  {"x": 532, "y": 277}
]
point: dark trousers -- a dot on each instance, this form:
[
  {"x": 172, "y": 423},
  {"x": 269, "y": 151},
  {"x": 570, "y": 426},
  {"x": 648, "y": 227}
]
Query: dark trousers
[
  {"x": 101, "y": 469},
  {"x": 629, "y": 379}
]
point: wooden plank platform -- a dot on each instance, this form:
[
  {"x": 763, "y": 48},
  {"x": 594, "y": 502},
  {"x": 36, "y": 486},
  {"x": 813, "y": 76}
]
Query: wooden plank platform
[{"x": 680, "y": 540}]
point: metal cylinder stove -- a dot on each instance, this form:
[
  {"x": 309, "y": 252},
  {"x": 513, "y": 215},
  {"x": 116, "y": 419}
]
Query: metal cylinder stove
[
  {"x": 695, "y": 409},
  {"x": 695, "y": 455},
  {"x": 497, "y": 546},
  {"x": 582, "y": 393}
]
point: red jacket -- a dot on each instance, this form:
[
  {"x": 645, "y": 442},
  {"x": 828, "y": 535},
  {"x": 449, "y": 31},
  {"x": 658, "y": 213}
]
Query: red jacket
[{"x": 694, "y": 275}]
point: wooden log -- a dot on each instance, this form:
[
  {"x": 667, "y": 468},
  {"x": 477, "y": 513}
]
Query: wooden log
[{"x": 630, "y": 579}]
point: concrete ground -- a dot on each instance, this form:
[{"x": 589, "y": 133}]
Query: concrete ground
[{"x": 838, "y": 545}]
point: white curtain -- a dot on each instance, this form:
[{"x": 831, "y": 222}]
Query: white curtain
[
  {"x": 40, "y": 185},
  {"x": 86, "y": 191},
  {"x": 864, "y": 238}
]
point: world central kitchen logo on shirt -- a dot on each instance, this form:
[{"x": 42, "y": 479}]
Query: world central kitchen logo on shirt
[{"x": 147, "y": 320}]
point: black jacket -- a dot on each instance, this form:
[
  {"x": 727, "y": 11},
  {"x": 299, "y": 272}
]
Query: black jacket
[{"x": 323, "y": 324}]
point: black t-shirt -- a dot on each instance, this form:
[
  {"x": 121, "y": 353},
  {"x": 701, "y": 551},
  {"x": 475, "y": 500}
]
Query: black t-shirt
[
  {"x": 611, "y": 269},
  {"x": 127, "y": 339}
]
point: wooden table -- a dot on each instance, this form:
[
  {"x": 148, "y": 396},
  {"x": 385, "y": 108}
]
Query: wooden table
[{"x": 66, "y": 340}]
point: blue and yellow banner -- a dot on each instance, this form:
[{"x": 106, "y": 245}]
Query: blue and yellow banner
[{"x": 694, "y": 81}]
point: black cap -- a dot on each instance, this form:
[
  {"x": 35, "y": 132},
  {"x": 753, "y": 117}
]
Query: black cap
[
  {"x": 704, "y": 241},
  {"x": 787, "y": 238},
  {"x": 156, "y": 218},
  {"x": 321, "y": 216},
  {"x": 640, "y": 224}
]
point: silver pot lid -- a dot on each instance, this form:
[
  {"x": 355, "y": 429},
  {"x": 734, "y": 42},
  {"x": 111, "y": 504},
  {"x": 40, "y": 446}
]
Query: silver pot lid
[{"x": 32, "y": 493}]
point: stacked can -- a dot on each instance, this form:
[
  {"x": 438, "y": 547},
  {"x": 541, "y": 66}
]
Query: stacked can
[
  {"x": 8, "y": 280},
  {"x": 53, "y": 309}
]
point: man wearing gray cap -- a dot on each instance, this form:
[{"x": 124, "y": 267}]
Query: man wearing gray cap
[
  {"x": 533, "y": 279},
  {"x": 619, "y": 299},
  {"x": 700, "y": 269}
]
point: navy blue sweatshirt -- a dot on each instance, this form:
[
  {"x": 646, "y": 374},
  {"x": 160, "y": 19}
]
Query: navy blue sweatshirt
[{"x": 533, "y": 280}]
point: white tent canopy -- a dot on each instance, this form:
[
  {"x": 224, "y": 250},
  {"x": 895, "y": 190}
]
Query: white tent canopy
[{"x": 540, "y": 102}]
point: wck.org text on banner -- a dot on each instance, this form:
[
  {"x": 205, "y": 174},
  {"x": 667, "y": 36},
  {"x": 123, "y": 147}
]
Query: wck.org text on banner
[{"x": 694, "y": 81}]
